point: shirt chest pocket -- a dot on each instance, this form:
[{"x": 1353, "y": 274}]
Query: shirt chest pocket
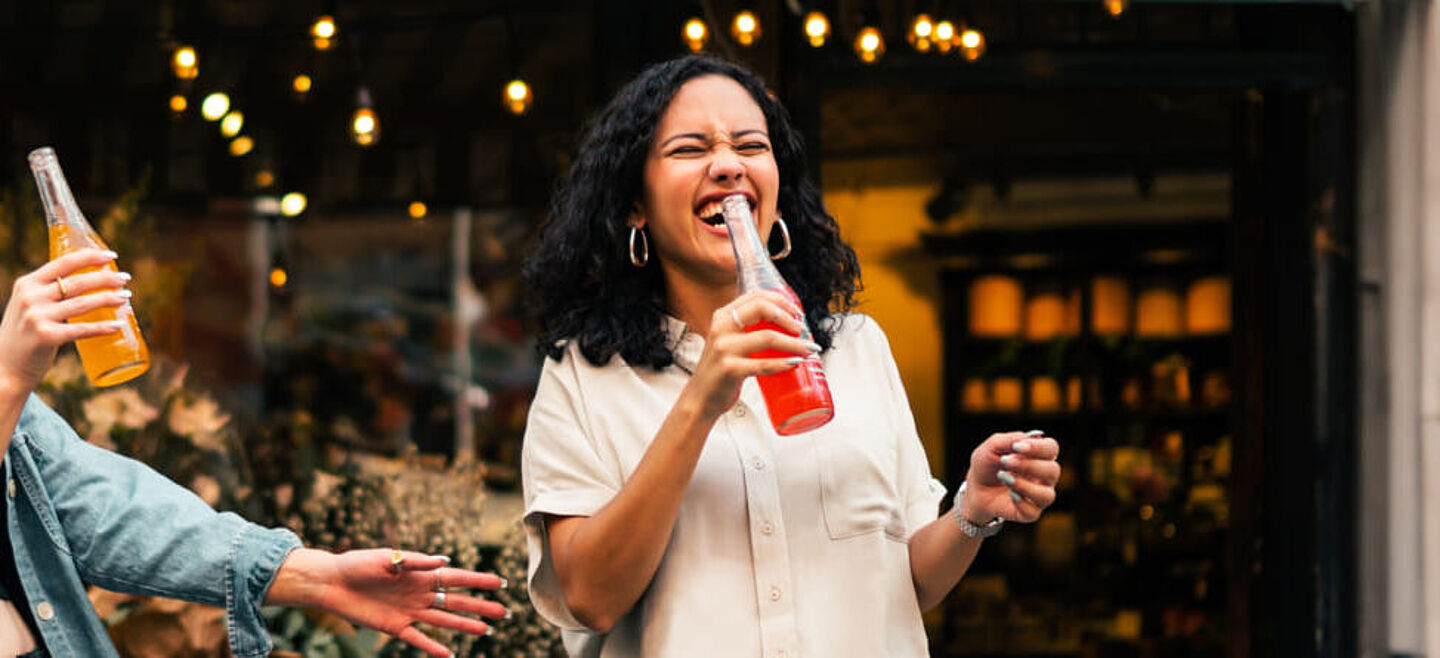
[{"x": 858, "y": 492}]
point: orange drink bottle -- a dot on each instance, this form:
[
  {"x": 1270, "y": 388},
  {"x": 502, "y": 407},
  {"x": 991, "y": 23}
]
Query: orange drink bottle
[
  {"x": 798, "y": 399},
  {"x": 112, "y": 358}
]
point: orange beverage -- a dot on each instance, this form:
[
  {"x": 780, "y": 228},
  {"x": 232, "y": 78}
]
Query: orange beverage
[{"x": 111, "y": 358}]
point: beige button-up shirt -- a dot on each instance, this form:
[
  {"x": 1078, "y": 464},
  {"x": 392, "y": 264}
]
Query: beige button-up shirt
[{"x": 784, "y": 546}]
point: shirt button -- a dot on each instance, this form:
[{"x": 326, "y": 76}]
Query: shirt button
[
  {"x": 759, "y": 464},
  {"x": 740, "y": 410},
  {"x": 774, "y": 594},
  {"x": 45, "y": 611},
  {"x": 767, "y": 527}
]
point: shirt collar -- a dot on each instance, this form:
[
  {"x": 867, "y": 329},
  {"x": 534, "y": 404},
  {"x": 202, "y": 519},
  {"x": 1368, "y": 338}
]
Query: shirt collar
[{"x": 685, "y": 344}]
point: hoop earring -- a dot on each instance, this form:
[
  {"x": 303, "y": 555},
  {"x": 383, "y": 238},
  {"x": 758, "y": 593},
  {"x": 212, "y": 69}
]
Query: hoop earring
[
  {"x": 640, "y": 261},
  {"x": 784, "y": 233}
]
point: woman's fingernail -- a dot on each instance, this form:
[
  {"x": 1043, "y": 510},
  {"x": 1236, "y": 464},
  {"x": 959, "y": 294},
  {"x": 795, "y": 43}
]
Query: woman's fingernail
[
  {"x": 1007, "y": 461},
  {"x": 1021, "y": 447},
  {"x": 1035, "y": 433},
  {"x": 116, "y": 324},
  {"x": 795, "y": 360},
  {"x": 123, "y": 292},
  {"x": 504, "y": 583},
  {"x": 445, "y": 559},
  {"x": 813, "y": 347},
  {"x": 509, "y": 613},
  {"x": 1007, "y": 478},
  {"x": 124, "y": 276},
  {"x": 489, "y": 630},
  {"x": 1015, "y": 497},
  {"x": 110, "y": 254}
]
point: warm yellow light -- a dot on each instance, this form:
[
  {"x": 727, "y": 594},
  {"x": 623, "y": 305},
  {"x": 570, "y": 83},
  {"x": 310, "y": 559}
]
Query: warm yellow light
[
  {"x": 292, "y": 204},
  {"x": 324, "y": 31},
  {"x": 1116, "y": 7},
  {"x": 921, "y": 33},
  {"x": 264, "y": 178},
  {"x": 278, "y": 277},
  {"x": 869, "y": 45},
  {"x": 232, "y": 123},
  {"x": 178, "y": 103},
  {"x": 364, "y": 126},
  {"x": 746, "y": 28},
  {"x": 418, "y": 209},
  {"x": 214, "y": 106},
  {"x": 185, "y": 63},
  {"x": 517, "y": 96},
  {"x": 696, "y": 34},
  {"x": 972, "y": 44},
  {"x": 241, "y": 145},
  {"x": 817, "y": 28},
  {"x": 301, "y": 83},
  {"x": 944, "y": 36}
]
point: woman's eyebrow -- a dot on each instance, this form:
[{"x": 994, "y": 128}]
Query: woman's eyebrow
[{"x": 701, "y": 137}]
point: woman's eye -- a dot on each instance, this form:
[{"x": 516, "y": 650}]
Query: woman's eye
[
  {"x": 754, "y": 147},
  {"x": 686, "y": 150}
]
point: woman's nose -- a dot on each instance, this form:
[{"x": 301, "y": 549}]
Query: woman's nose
[{"x": 725, "y": 166}]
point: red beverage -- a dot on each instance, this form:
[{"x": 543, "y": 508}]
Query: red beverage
[{"x": 798, "y": 399}]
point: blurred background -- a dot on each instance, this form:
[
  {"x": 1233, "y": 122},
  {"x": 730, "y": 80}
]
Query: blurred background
[{"x": 1189, "y": 239}]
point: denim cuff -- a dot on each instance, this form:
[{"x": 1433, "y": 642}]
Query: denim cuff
[{"x": 255, "y": 557}]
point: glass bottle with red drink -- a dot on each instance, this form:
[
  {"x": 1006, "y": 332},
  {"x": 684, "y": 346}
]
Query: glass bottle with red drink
[{"x": 798, "y": 399}]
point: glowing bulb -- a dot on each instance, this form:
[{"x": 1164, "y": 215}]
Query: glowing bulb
[
  {"x": 972, "y": 44},
  {"x": 921, "y": 32},
  {"x": 944, "y": 36},
  {"x": 264, "y": 178},
  {"x": 278, "y": 277},
  {"x": 232, "y": 123},
  {"x": 517, "y": 96},
  {"x": 185, "y": 63},
  {"x": 292, "y": 204},
  {"x": 214, "y": 106},
  {"x": 241, "y": 145},
  {"x": 364, "y": 125},
  {"x": 324, "y": 31},
  {"x": 1116, "y": 7},
  {"x": 746, "y": 28},
  {"x": 301, "y": 84},
  {"x": 178, "y": 103},
  {"x": 869, "y": 45},
  {"x": 817, "y": 28},
  {"x": 417, "y": 209},
  {"x": 696, "y": 34}
]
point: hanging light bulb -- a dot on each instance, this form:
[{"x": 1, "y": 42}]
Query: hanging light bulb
[
  {"x": 972, "y": 44},
  {"x": 745, "y": 28},
  {"x": 417, "y": 209},
  {"x": 696, "y": 34},
  {"x": 922, "y": 33},
  {"x": 364, "y": 125},
  {"x": 292, "y": 204},
  {"x": 1116, "y": 7},
  {"x": 944, "y": 36},
  {"x": 869, "y": 45},
  {"x": 264, "y": 178},
  {"x": 214, "y": 106},
  {"x": 232, "y": 123},
  {"x": 817, "y": 28},
  {"x": 241, "y": 145},
  {"x": 517, "y": 96},
  {"x": 185, "y": 63},
  {"x": 323, "y": 32},
  {"x": 301, "y": 84},
  {"x": 178, "y": 103},
  {"x": 278, "y": 277}
]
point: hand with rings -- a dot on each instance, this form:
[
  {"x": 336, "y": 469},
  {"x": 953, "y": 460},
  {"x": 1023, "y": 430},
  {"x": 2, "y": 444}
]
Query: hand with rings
[
  {"x": 42, "y": 303},
  {"x": 389, "y": 590},
  {"x": 735, "y": 349}
]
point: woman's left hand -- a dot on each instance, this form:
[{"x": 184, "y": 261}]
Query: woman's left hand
[
  {"x": 1012, "y": 476},
  {"x": 388, "y": 591}
]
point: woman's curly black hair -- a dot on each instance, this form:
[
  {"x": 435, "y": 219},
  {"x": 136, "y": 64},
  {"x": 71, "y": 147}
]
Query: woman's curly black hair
[{"x": 581, "y": 283}]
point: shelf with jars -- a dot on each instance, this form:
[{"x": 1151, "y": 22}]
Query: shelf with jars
[{"x": 1117, "y": 341}]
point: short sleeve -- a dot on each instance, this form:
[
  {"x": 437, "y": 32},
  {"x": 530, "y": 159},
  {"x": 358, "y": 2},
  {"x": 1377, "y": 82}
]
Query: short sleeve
[
  {"x": 564, "y": 473},
  {"x": 920, "y": 492}
]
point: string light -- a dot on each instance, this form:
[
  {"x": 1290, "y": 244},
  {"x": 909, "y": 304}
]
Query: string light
[
  {"x": 944, "y": 36},
  {"x": 264, "y": 178},
  {"x": 745, "y": 28},
  {"x": 292, "y": 204},
  {"x": 241, "y": 146},
  {"x": 232, "y": 123},
  {"x": 869, "y": 45},
  {"x": 178, "y": 103},
  {"x": 364, "y": 125},
  {"x": 278, "y": 277},
  {"x": 972, "y": 44},
  {"x": 323, "y": 32},
  {"x": 517, "y": 96},
  {"x": 1116, "y": 7},
  {"x": 696, "y": 34},
  {"x": 417, "y": 209},
  {"x": 214, "y": 106},
  {"x": 817, "y": 28},
  {"x": 301, "y": 84},
  {"x": 922, "y": 31},
  {"x": 185, "y": 63}
]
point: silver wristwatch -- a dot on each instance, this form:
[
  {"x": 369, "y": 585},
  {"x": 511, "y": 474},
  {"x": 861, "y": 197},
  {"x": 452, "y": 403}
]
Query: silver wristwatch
[{"x": 970, "y": 528}]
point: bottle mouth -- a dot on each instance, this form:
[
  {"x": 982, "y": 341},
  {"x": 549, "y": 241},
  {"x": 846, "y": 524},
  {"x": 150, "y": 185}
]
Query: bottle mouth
[{"x": 41, "y": 157}]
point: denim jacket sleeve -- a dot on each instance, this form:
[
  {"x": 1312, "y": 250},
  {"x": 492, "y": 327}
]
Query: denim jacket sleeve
[{"x": 130, "y": 529}]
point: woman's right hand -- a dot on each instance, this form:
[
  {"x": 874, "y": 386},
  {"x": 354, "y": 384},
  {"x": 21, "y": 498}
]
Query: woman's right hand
[
  {"x": 34, "y": 325},
  {"x": 726, "y": 360}
]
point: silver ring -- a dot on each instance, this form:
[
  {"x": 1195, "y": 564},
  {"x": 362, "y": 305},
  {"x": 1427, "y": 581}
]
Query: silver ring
[
  {"x": 736, "y": 317},
  {"x": 397, "y": 561},
  {"x": 439, "y": 601},
  {"x": 60, "y": 283}
]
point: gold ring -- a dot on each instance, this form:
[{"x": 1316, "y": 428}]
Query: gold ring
[
  {"x": 60, "y": 283},
  {"x": 397, "y": 561},
  {"x": 736, "y": 317}
]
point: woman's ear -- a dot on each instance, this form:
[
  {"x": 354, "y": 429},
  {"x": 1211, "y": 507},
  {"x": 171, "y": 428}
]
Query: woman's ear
[{"x": 636, "y": 218}]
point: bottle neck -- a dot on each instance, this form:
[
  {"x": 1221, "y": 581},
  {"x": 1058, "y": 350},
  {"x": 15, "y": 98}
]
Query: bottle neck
[
  {"x": 752, "y": 260},
  {"x": 55, "y": 194}
]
